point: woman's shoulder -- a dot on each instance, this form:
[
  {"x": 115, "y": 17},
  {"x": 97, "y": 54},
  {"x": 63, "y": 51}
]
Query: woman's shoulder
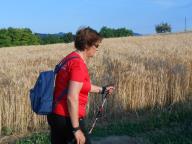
[
  {"x": 73, "y": 56},
  {"x": 74, "y": 59}
]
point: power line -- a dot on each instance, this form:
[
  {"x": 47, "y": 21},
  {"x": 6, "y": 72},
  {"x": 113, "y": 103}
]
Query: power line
[{"x": 185, "y": 24}]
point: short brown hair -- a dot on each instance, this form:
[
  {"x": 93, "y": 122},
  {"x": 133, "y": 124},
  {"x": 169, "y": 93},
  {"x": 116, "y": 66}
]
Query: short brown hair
[{"x": 86, "y": 37}]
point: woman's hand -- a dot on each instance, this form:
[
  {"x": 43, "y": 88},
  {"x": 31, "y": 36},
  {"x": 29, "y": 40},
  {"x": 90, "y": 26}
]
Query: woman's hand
[
  {"x": 102, "y": 90},
  {"x": 79, "y": 136},
  {"x": 109, "y": 89}
]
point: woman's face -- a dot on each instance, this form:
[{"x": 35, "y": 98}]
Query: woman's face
[{"x": 90, "y": 51}]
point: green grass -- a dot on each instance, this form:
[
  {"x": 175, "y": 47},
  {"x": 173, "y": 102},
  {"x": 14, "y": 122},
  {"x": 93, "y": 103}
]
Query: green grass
[
  {"x": 154, "y": 127},
  {"x": 36, "y": 138}
]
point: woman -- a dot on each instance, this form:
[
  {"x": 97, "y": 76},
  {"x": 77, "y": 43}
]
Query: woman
[{"x": 67, "y": 119}]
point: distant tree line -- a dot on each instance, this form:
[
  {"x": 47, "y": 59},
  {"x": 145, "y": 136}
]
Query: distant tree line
[
  {"x": 55, "y": 38},
  {"x": 110, "y": 32},
  {"x": 24, "y": 36},
  {"x": 17, "y": 36}
]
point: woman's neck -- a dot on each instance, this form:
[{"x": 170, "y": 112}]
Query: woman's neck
[{"x": 82, "y": 55}]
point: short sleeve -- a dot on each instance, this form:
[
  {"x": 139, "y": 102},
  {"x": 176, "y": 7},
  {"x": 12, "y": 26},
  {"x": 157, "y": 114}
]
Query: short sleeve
[{"x": 77, "y": 72}]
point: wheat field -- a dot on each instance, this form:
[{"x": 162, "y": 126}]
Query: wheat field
[{"x": 147, "y": 71}]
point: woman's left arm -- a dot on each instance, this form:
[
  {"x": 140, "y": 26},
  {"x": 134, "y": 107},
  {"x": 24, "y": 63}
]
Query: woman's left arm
[
  {"x": 98, "y": 89},
  {"x": 95, "y": 89}
]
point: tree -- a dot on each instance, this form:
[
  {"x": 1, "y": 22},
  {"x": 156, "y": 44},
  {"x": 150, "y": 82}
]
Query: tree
[
  {"x": 51, "y": 39},
  {"x": 106, "y": 32},
  {"x": 17, "y": 36},
  {"x": 68, "y": 37},
  {"x": 123, "y": 32},
  {"x": 5, "y": 39},
  {"x": 110, "y": 32},
  {"x": 163, "y": 28}
]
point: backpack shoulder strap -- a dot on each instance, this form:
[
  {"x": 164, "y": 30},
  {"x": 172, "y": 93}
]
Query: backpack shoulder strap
[
  {"x": 62, "y": 63},
  {"x": 57, "y": 69}
]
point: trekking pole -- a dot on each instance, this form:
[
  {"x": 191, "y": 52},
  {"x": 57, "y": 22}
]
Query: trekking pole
[{"x": 99, "y": 112}]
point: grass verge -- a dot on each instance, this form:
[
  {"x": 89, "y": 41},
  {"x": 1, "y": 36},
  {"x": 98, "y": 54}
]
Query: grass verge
[{"x": 155, "y": 127}]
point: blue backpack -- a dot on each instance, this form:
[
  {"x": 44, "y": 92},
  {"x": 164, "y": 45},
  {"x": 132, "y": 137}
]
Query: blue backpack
[{"x": 41, "y": 95}]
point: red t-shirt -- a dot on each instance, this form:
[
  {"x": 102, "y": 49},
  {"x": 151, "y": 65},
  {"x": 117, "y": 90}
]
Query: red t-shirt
[{"x": 75, "y": 70}]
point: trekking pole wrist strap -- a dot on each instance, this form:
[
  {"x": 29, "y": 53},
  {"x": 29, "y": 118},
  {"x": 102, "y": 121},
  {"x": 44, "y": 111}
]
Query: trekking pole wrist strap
[
  {"x": 75, "y": 129},
  {"x": 103, "y": 89}
]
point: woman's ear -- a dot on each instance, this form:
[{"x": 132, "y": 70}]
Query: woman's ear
[{"x": 87, "y": 47}]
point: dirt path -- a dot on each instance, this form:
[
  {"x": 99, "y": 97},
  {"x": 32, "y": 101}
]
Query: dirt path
[
  {"x": 118, "y": 140},
  {"x": 105, "y": 140},
  {"x": 8, "y": 139}
]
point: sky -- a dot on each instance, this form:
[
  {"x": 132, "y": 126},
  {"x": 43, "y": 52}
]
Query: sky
[{"x": 54, "y": 16}]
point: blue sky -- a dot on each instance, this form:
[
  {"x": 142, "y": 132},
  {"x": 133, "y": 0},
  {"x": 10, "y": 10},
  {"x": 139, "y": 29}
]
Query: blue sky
[{"x": 53, "y": 16}]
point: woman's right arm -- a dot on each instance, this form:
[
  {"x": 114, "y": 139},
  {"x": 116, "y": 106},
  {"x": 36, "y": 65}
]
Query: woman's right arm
[{"x": 73, "y": 103}]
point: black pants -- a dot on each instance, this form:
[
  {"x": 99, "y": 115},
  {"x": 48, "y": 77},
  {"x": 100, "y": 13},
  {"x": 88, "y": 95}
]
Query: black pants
[{"x": 61, "y": 129}]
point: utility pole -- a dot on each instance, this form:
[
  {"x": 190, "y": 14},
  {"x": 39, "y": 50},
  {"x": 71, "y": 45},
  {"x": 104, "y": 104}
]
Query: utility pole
[{"x": 185, "y": 24}]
